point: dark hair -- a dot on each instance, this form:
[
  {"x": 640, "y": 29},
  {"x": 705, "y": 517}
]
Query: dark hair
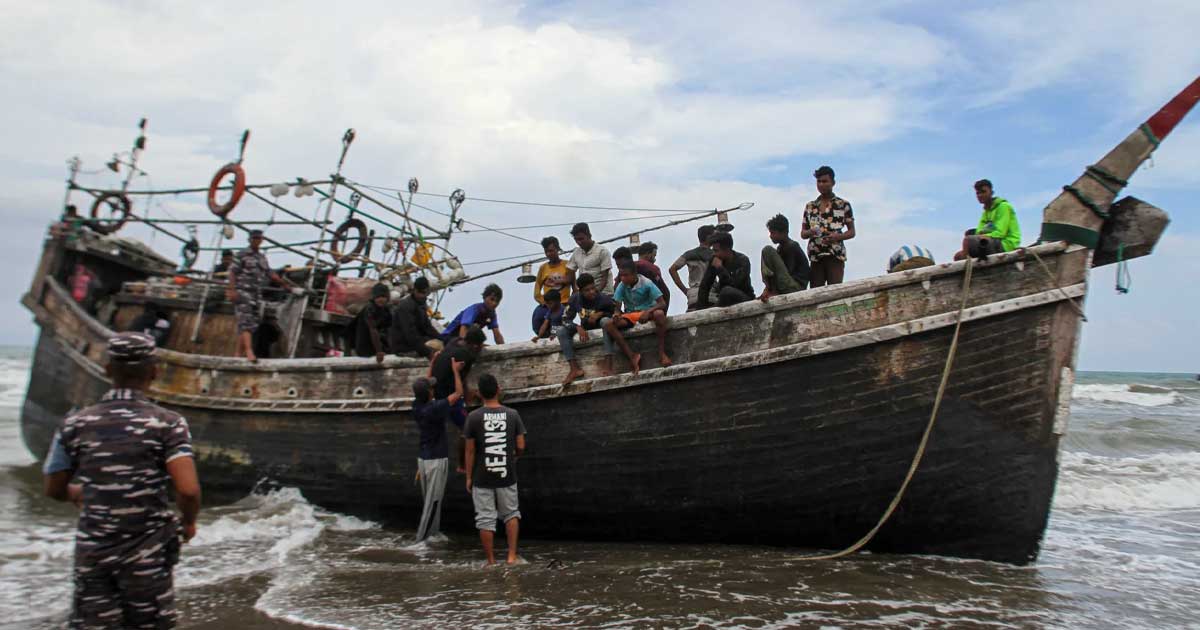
[
  {"x": 778, "y": 223},
  {"x": 488, "y": 387},
  {"x": 584, "y": 279},
  {"x": 420, "y": 389},
  {"x": 127, "y": 375},
  {"x": 824, "y": 170},
  {"x": 421, "y": 283},
  {"x": 984, "y": 182},
  {"x": 626, "y": 265},
  {"x": 622, "y": 252},
  {"x": 493, "y": 289},
  {"x": 550, "y": 240},
  {"x": 226, "y": 252},
  {"x": 647, "y": 248},
  {"x": 705, "y": 231},
  {"x": 581, "y": 228},
  {"x": 553, "y": 295},
  {"x": 724, "y": 239},
  {"x": 475, "y": 336}
]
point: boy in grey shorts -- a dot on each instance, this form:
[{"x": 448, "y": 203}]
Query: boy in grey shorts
[{"x": 495, "y": 439}]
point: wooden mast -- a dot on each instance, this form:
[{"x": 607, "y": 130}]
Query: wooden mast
[{"x": 1079, "y": 211}]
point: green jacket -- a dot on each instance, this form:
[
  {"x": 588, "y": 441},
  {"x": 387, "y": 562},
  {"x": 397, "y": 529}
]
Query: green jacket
[{"x": 1000, "y": 221}]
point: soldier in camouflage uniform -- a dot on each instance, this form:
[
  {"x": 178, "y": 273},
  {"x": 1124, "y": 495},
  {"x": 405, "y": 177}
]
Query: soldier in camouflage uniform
[
  {"x": 247, "y": 276},
  {"x": 113, "y": 459}
]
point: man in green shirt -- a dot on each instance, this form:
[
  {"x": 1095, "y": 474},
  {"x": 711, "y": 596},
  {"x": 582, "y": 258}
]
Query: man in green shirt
[{"x": 998, "y": 230}]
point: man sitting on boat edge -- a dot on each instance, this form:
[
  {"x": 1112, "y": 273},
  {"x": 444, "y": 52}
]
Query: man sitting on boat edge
[
  {"x": 411, "y": 329},
  {"x": 595, "y": 310},
  {"x": 372, "y": 323},
  {"x": 728, "y": 274},
  {"x": 998, "y": 230},
  {"x": 784, "y": 268},
  {"x": 638, "y": 301}
]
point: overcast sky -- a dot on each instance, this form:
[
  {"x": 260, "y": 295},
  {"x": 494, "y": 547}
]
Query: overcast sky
[{"x": 674, "y": 105}]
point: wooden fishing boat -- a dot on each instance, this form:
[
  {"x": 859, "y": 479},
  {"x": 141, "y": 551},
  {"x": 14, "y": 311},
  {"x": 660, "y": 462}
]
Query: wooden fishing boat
[{"x": 791, "y": 422}]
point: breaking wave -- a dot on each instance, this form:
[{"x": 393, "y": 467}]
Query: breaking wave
[
  {"x": 1163, "y": 481},
  {"x": 1128, "y": 394}
]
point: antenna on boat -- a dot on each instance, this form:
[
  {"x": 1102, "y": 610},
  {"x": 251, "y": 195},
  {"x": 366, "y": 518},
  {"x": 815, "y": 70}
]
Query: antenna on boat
[{"x": 347, "y": 140}]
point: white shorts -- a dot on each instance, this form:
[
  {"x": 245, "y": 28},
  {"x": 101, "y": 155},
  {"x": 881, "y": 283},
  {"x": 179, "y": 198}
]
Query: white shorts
[{"x": 492, "y": 504}]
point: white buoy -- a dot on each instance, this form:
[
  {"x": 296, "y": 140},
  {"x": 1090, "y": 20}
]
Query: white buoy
[{"x": 280, "y": 189}]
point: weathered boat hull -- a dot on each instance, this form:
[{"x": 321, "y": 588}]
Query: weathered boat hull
[{"x": 801, "y": 442}]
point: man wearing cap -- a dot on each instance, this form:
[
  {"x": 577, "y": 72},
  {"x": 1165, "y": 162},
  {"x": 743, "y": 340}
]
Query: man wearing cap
[
  {"x": 372, "y": 324},
  {"x": 247, "y": 275},
  {"x": 120, "y": 452},
  {"x": 226, "y": 262},
  {"x": 433, "y": 459}
]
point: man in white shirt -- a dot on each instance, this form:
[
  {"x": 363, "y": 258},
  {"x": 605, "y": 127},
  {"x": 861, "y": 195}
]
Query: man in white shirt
[{"x": 591, "y": 258}]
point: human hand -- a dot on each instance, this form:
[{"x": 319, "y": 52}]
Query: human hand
[
  {"x": 456, "y": 365},
  {"x": 468, "y": 485},
  {"x": 189, "y": 531},
  {"x": 583, "y": 336},
  {"x": 230, "y": 294},
  {"x": 645, "y": 316},
  {"x": 716, "y": 262},
  {"x": 75, "y": 494}
]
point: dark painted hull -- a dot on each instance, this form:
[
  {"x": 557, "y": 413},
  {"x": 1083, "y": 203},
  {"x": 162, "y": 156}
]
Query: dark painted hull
[{"x": 805, "y": 452}]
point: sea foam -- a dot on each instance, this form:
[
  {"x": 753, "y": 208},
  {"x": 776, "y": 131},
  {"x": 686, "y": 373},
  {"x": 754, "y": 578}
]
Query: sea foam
[
  {"x": 1127, "y": 394},
  {"x": 1162, "y": 481}
]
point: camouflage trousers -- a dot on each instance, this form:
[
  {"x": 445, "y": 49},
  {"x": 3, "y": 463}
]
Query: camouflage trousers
[
  {"x": 247, "y": 310},
  {"x": 127, "y": 593}
]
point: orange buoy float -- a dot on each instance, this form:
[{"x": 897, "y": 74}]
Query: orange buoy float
[{"x": 239, "y": 189}]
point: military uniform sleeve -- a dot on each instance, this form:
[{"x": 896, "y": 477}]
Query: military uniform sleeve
[{"x": 177, "y": 439}]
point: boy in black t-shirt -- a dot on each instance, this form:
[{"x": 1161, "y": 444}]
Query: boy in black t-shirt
[
  {"x": 594, "y": 309},
  {"x": 495, "y": 439}
]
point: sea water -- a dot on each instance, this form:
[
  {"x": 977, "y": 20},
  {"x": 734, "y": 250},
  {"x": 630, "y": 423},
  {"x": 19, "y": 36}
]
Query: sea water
[{"x": 1121, "y": 551}]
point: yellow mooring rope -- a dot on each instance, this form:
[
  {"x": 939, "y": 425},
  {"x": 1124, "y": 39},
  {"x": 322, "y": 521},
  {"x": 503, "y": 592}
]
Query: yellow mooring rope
[{"x": 916, "y": 462}]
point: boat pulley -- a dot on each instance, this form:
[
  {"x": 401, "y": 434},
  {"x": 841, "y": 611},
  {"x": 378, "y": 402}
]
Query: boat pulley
[{"x": 190, "y": 250}]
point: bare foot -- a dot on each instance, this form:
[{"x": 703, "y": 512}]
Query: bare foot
[
  {"x": 512, "y": 559},
  {"x": 664, "y": 360},
  {"x": 636, "y": 364},
  {"x": 571, "y": 376},
  {"x": 252, "y": 358}
]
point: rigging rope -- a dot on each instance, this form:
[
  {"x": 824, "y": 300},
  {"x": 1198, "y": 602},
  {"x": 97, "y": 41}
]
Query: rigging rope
[
  {"x": 920, "y": 454},
  {"x": 546, "y": 204}
]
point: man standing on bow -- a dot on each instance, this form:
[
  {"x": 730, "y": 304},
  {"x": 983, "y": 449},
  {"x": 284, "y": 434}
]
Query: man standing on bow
[
  {"x": 247, "y": 276},
  {"x": 120, "y": 453},
  {"x": 828, "y": 223}
]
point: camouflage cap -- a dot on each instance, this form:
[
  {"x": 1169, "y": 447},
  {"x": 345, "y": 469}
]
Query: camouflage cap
[{"x": 130, "y": 347}]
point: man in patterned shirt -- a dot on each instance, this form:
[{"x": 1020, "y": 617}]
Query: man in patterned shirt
[
  {"x": 247, "y": 276},
  {"x": 119, "y": 454},
  {"x": 828, "y": 223}
]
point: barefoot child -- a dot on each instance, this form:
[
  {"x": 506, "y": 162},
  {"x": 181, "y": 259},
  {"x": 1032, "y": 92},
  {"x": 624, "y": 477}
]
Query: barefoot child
[
  {"x": 641, "y": 302},
  {"x": 495, "y": 439}
]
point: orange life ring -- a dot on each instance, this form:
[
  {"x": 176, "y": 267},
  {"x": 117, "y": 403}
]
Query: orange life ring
[
  {"x": 342, "y": 235},
  {"x": 122, "y": 205},
  {"x": 239, "y": 189}
]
